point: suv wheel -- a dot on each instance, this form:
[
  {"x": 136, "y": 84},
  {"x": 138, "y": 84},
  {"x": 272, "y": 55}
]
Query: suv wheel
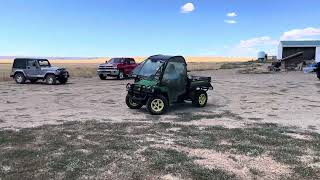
[
  {"x": 121, "y": 75},
  {"x": 51, "y": 79},
  {"x": 20, "y": 78},
  {"x": 131, "y": 104},
  {"x": 157, "y": 105},
  {"x": 102, "y": 77},
  {"x": 200, "y": 99},
  {"x": 63, "y": 80}
]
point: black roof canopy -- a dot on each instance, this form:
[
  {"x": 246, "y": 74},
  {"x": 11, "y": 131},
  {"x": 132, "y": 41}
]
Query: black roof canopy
[
  {"x": 167, "y": 58},
  {"x": 24, "y": 59}
]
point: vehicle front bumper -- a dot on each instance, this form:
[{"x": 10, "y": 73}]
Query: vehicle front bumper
[
  {"x": 109, "y": 72},
  {"x": 64, "y": 74},
  {"x": 140, "y": 94}
]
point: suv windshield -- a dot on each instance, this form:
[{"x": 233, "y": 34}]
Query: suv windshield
[
  {"x": 149, "y": 68},
  {"x": 44, "y": 63},
  {"x": 116, "y": 60}
]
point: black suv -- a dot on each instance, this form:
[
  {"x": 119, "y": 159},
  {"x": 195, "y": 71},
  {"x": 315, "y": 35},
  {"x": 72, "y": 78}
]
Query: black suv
[{"x": 24, "y": 69}]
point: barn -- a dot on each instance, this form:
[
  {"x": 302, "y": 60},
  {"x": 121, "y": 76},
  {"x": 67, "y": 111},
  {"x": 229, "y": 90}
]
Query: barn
[{"x": 294, "y": 52}]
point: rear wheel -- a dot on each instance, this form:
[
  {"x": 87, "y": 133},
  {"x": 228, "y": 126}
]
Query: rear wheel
[
  {"x": 131, "y": 104},
  {"x": 63, "y": 80},
  {"x": 157, "y": 105},
  {"x": 51, "y": 79},
  {"x": 121, "y": 75},
  {"x": 200, "y": 99},
  {"x": 102, "y": 77},
  {"x": 19, "y": 78}
]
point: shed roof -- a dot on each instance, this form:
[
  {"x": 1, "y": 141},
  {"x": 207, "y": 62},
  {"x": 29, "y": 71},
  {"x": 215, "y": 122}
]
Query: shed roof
[{"x": 314, "y": 43}]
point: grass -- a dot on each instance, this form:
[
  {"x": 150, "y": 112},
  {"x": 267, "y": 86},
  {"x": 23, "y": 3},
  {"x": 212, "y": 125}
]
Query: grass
[
  {"x": 89, "y": 149},
  {"x": 170, "y": 161},
  {"x": 186, "y": 117}
]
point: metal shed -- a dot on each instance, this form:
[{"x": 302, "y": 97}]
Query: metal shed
[{"x": 310, "y": 49}]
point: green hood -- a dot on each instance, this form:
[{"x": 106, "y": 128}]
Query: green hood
[{"x": 147, "y": 82}]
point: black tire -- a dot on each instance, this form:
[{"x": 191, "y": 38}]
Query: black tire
[
  {"x": 200, "y": 99},
  {"x": 121, "y": 75},
  {"x": 19, "y": 78},
  {"x": 51, "y": 79},
  {"x": 318, "y": 74},
  {"x": 63, "y": 80},
  {"x": 157, "y": 105},
  {"x": 102, "y": 77},
  {"x": 33, "y": 80},
  {"x": 131, "y": 104}
]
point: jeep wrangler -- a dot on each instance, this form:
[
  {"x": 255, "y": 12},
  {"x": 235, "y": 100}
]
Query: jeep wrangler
[
  {"x": 163, "y": 80},
  {"x": 24, "y": 69}
]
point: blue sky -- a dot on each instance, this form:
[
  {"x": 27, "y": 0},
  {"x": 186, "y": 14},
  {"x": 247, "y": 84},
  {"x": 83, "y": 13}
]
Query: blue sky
[{"x": 145, "y": 27}]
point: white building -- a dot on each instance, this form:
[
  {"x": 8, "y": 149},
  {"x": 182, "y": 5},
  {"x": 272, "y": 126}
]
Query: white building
[{"x": 310, "y": 49}]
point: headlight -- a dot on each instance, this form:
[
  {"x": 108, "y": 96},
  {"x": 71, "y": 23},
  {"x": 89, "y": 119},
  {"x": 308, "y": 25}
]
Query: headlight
[{"x": 150, "y": 89}]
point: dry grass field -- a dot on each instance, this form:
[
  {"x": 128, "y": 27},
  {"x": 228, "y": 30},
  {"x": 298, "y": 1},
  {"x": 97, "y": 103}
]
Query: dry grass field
[
  {"x": 87, "y": 67},
  {"x": 257, "y": 125}
]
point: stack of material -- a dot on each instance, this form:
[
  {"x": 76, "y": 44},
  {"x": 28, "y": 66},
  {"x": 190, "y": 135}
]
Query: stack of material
[
  {"x": 292, "y": 62},
  {"x": 275, "y": 66}
]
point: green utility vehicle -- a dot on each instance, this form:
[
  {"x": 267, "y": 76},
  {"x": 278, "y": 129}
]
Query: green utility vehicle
[{"x": 163, "y": 80}]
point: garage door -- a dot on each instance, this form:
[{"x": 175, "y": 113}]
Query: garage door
[{"x": 309, "y": 52}]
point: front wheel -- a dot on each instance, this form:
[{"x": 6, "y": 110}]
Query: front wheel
[
  {"x": 51, "y": 79},
  {"x": 121, "y": 75},
  {"x": 200, "y": 99},
  {"x": 157, "y": 105},
  {"x": 102, "y": 77},
  {"x": 131, "y": 104}
]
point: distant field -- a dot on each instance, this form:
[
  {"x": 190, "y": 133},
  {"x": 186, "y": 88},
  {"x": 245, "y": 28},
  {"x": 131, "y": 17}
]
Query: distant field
[{"x": 87, "y": 67}]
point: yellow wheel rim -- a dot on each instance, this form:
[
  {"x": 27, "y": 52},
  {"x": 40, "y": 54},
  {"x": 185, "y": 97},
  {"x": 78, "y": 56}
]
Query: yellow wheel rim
[
  {"x": 157, "y": 105},
  {"x": 202, "y": 99}
]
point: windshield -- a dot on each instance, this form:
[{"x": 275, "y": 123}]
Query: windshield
[
  {"x": 43, "y": 63},
  {"x": 115, "y": 60},
  {"x": 148, "y": 68}
]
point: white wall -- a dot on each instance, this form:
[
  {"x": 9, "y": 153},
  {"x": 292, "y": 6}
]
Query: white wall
[
  {"x": 280, "y": 48},
  {"x": 318, "y": 54}
]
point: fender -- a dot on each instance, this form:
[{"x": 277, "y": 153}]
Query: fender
[{"x": 19, "y": 71}]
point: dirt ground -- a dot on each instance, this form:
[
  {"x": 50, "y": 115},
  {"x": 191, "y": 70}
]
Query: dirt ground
[{"x": 261, "y": 126}]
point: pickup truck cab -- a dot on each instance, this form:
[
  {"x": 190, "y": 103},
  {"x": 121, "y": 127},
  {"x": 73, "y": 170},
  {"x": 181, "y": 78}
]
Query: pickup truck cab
[
  {"x": 116, "y": 67},
  {"x": 31, "y": 69},
  {"x": 162, "y": 81}
]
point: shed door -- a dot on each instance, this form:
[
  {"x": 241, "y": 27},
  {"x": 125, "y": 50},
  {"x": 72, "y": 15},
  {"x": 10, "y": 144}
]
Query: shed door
[{"x": 309, "y": 53}]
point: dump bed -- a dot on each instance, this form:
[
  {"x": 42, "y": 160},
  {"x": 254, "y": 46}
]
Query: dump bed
[{"x": 199, "y": 82}]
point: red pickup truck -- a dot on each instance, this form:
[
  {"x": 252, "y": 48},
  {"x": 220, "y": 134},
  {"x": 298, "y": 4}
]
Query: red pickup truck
[{"x": 116, "y": 67}]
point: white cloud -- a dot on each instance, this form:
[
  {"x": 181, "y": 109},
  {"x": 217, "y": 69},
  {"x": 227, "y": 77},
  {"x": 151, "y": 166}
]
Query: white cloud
[
  {"x": 264, "y": 40},
  {"x": 232, "y": 14},
  {"x": 187, "y": 8},
  {"x": 301, "y": 34},
  {"x": 250, "y": 47},
  {"x": 230, "y": 21}
]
